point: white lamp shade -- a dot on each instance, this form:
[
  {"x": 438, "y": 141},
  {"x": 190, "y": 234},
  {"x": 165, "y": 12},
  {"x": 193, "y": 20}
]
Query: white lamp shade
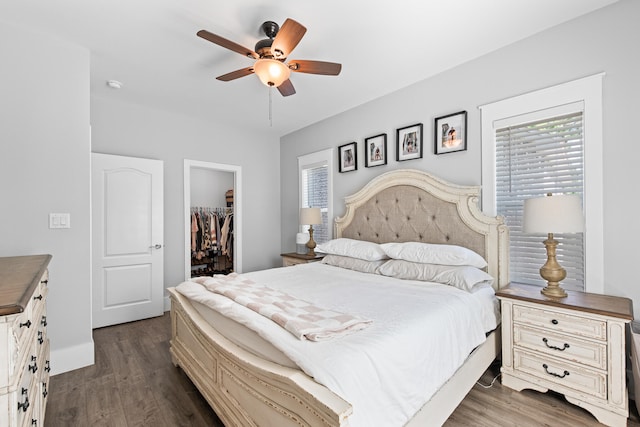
[
  {"x": 553, "y": 214},
  {"x": 310, "y": 216},
  {"x": 271, "y": 71}
]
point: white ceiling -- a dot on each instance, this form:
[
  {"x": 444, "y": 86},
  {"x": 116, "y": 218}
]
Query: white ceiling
[{"x": 152, "y": 48}]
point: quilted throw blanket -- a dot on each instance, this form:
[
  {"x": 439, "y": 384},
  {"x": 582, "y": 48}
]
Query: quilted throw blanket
[{"x": 301, "y": 318}]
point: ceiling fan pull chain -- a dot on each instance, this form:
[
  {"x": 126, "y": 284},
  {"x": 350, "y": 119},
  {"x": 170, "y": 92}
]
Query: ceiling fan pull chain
[{"x": 270, "y": 114}]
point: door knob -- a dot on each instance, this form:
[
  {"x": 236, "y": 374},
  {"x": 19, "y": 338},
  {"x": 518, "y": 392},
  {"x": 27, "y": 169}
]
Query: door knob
[{"x": 155, "y": 247}]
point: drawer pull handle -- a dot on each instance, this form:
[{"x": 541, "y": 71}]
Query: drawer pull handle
[
  {"x": 24, "y": 405},
  {"x": 47, "y": 366},
  {"x": 34, "y": 422},
  {"x": 553, "y": 347},
  {"x": 40, "y": 337},
  {"x": 39, "y": 297},
  {"x": 44, "y": 390},
  {"x": 27, "y": 324},
  {"x": 44, "y": 281},
  {"x": 564, "y": 374},
  {"x": 33, "y": 368},
  {"x": 43, "y": 322},
  {"x": 554, "y": 321}
]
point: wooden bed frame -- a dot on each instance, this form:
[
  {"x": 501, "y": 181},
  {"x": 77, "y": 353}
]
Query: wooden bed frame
[{"x": 402, "y": 205}]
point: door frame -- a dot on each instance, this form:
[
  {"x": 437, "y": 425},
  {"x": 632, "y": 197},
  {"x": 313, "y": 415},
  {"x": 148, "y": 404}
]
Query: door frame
[{"x": 237, "y": 210}]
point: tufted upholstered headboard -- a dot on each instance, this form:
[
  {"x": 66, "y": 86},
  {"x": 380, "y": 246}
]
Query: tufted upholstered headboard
[{"x": 411, "y": 205}]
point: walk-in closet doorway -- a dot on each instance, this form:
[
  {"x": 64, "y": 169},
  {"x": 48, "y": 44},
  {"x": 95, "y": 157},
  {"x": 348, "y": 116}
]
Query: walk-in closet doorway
[{"x": 206, "y": 189}]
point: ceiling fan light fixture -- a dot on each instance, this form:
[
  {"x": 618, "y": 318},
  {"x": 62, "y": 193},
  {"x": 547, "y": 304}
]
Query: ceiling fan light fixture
[{"x": 271, "y": 72}]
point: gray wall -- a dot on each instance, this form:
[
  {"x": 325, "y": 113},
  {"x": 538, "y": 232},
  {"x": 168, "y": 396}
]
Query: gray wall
[
  {"x": 155, "y": 134},
  {"x": 44, "y": 167},
  {"x": 208, "y": 187},
  {"x": 601, "y": 41},
  {"x": 45, "y": 149}
]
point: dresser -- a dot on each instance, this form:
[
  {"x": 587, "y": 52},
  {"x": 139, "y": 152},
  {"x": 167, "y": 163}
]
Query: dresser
[
  {"x": 24, "y": 361},
  {"x": 294, "y": 258},
  {"x": 574, "y": 346}
]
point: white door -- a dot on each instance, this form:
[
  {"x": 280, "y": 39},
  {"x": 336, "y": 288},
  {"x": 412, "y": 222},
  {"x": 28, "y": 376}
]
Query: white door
[{"x": 127, "y": 234}]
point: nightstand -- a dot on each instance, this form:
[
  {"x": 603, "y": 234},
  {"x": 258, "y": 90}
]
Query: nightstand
[
  {"x": 294, "y": 258},
  {"x": 574, "y": 346}
]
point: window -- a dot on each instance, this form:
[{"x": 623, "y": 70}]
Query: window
[
  {"x": 315, "y": 183},
  {"x": 534, "y": 158},
  {"x": 547, "y": 141}
]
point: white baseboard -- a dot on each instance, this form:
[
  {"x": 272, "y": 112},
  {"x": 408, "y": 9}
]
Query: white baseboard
[{"x": 70, "y": 358}]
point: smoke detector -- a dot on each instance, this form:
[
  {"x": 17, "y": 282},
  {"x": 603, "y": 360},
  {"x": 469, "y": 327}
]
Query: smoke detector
[{"x": 114, "y": 84}]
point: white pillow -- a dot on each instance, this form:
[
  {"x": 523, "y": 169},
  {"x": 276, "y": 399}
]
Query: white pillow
[
  {"x": 429, "y": 253},
  {"x": 353, "y": 248},
  {"x": 463, "y": 277},
  {"x": 356, "y": 264}
]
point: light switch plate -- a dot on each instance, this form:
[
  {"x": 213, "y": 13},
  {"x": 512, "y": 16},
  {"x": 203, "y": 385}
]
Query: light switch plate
[{"x": 59, "y": 220}]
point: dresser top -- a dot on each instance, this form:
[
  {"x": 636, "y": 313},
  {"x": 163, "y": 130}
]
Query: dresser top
[
  {"x": 19, "y": 277},
  {"x": 606, "y": 305}
]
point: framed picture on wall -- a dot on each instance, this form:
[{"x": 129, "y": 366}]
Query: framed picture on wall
[
  {"x": 348, "y": 157},
  {"x": 409, "y": 142},
  {"x": 450, "y": 133},
  {"x": 375, "y": 150}
]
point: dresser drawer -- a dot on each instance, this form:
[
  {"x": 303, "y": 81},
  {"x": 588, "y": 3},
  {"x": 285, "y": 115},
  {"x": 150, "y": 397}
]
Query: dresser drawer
[
  {"x": 566, "y": 347},
  {"x": 563, "y": 374},
  {"x": 38, "y": 299},
  {"x": 26, "y": 395},
  {"x": 560, "y": 322},
  {"x": 23, "y": 324}
]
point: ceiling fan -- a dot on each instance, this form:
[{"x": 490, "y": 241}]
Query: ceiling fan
[{"x": 271, "y": 54}]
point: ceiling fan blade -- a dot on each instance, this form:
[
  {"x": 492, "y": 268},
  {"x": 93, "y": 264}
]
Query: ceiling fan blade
[
  {"x": 287, "y": 39},
  {"x": 221, "y": 41},
  {"x": 235, "y": 74},
  {"x": 315, "y": 67},
  {"x": 286, "y": 88}
]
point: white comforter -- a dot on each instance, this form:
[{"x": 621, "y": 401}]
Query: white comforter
[{"x": 421, "y": 333}]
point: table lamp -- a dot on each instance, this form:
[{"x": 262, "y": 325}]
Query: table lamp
[
  {"x": 310, "y": 216},
  {"x": 553, "y": 214}
]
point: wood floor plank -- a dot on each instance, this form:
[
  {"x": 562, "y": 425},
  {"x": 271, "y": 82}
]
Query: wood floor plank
[
  {"x": 138, "y": 402},
  {"x": 123, "y": 358},
  {"x": 104, "y": 407},
  {"x": 175, "y": 404},
  {"x": 133, "y": 383},
  {"x": 67, "y": 406}
]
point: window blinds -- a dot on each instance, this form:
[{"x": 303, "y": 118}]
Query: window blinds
[
  {"x": 533, "y": 159},
  {"x": 315, "y": 184}
]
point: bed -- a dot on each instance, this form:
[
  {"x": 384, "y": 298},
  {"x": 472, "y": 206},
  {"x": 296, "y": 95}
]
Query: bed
[{"x": 248, "y": 388}]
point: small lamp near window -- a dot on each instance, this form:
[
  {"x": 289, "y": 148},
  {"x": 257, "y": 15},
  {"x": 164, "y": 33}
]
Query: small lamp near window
[
  {"x": 553, "y": 214},
  {"x": 310, "y": 216}
]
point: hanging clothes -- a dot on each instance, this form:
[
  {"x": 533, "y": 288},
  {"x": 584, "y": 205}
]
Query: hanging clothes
[{"x": 211, "y": 240}]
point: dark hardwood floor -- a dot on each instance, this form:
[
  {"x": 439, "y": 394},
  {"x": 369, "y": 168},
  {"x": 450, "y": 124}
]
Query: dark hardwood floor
[{"x": 134, "y": 383}]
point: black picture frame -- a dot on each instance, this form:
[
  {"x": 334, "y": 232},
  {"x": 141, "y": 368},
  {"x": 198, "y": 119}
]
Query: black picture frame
[
  {"x": 348, "y": 157},
  {"x": 375, "y": 150},
  {"x": 450, "y": 133},
  {"x": 409, "y": 142}
]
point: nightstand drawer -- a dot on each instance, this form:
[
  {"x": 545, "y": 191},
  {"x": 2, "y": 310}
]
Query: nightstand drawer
[
  {"x": 289, "y": 261},
  {"x": 560, "y": 322},
  {"x": 564, "y": 374},
  {"x": 293, "y": 258},
  {"x": 566, "y": 347}
]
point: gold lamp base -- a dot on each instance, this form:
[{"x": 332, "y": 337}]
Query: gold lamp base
[
  {"x": 552, "y": 272},
  {"x": 311, "y": 244}
]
